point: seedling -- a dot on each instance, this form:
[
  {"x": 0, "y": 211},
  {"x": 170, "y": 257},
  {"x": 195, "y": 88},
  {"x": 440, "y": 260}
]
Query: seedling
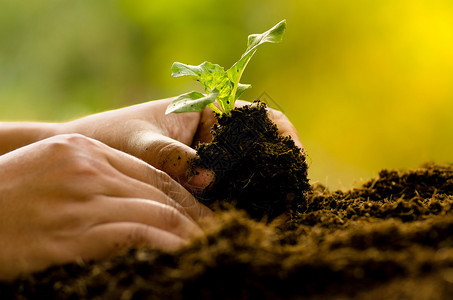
[
  {"x": 220, "y": 85},
  {"x": 255, "y": 168}
]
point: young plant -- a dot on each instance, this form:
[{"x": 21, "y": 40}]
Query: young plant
[{"x": 219, "y": 84}]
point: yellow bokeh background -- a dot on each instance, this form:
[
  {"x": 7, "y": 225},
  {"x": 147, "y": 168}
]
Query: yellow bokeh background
[{"x": 368, "y": 84}]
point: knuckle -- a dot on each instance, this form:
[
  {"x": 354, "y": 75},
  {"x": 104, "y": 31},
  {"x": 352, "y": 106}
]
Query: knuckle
[
  {"x": 204, "y": 212},
  {"x": 68, "y": 143},
  {"x": 73, "y": 138},
  {"x": 165, "y": 156},
  {"x": 73, "y": 169},
  {"x": 76, "y": 156},
  {"x": 138, "y": 235},
  {"x": 172, "y": 217},
  {"x": 163, "y": 181}
]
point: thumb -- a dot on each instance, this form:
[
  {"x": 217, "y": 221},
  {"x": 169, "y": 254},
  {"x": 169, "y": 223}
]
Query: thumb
[{"x": 172, "y": 157}]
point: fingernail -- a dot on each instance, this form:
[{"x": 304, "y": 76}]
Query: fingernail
[{"x": 201, "y": 179}]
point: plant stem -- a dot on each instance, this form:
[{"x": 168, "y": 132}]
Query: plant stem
[{"x": 214, "y": 108}]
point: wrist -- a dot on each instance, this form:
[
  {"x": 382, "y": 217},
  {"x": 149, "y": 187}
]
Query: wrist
[
  {"x": 47, "y": 130},
  {"x": 14, "y": 135}
]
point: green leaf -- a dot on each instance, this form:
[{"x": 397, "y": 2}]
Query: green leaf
[
  {"x": 219, "y": 84},
  {"x": 209, "y": 74},
  {"x": 180, "y": 69},
  {"x": 212, "y": 76},
  {"x": 191, "y": 102},
  {"x": 241, "y": 89},
  {"x": 273, "y": 35}
]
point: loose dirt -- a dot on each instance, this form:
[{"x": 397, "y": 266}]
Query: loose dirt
[
  {"x": 391, "y": 238},
  {"x": 256, "y": 169}
]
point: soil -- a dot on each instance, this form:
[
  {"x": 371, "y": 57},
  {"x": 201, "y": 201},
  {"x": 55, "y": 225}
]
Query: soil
[
  {"x": 391, "y": 238},
  {"x": 255, "y": 168}
]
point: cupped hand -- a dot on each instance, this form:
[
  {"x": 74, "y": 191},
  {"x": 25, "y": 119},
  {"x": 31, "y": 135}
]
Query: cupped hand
[
  {"x": 70, "y": 197},
  {"x": 165, "y": 141}
]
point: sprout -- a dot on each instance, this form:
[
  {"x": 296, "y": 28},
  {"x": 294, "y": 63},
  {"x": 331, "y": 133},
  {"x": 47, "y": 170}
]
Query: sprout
[{"x": 219, "y": 84}]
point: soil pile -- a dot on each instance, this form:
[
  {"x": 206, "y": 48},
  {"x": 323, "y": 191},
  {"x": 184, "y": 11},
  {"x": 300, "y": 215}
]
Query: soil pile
[
  {"x": 391, "y": 238},
  {"x": 256, "y": 169}
]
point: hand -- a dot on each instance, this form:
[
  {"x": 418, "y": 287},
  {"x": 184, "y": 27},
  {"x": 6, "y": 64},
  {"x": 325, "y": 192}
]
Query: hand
[
  {"x": 165, "y": 141},
  {"x": 70, "y": 197}
]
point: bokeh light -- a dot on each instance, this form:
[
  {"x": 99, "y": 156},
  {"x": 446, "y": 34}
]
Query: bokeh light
[{"x": 368, "y": 84}]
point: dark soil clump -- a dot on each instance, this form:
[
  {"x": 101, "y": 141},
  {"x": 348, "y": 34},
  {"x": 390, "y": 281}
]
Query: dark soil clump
[
  {"x": 256, "y": 169},
  {"x": 391, "y": 238}
]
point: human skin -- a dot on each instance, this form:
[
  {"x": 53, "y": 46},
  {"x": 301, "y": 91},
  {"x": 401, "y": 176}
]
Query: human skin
[
  {"x": 70, "y": 196},
  {"x": 166, "y": 142}
]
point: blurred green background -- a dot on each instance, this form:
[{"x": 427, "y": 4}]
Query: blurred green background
[{"x": 368, "y": 84}]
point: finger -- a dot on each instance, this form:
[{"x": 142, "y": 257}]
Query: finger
[
  {"x": 285, "y": 127},
  {"x": 104, "y": 240},
  {"x": 207, "y": 121},
  {"x": 173, "y": 158},
  {"x": 122, "y": 186},
  {"x": 178, "y": 126},
  {"x": 137, "y": 179},
  {"x": 152, "y": 213}
]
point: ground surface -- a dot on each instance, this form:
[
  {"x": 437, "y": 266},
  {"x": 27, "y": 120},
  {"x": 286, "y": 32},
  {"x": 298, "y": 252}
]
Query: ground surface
[{"x": 392, "y": 238}]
